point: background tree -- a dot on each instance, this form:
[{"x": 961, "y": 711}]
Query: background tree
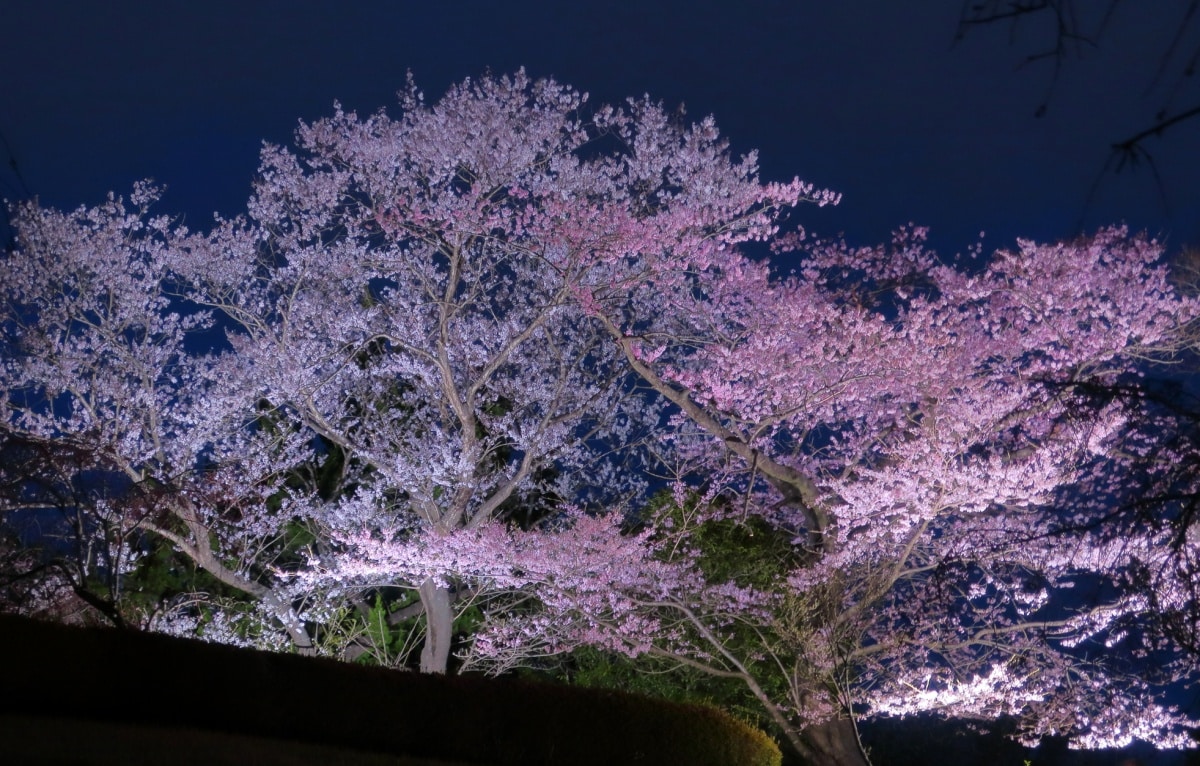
[
  {"x": 1056, "y": 31},
  {"x": 97, "y": 367},
  {"x": 53, "y": 496}
]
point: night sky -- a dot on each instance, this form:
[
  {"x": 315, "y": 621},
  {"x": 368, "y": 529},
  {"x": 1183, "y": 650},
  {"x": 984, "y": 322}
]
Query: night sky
[{"x": 872, "y": 99}]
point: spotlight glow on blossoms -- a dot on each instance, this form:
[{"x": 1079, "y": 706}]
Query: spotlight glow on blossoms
[{"x": 462, "y": 346}]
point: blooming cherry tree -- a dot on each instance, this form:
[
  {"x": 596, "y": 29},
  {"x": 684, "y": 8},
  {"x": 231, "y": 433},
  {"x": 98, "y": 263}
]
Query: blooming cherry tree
[
  {"x": 408, "y": 291},
  {"x": 926, "y": 426},
  {"x": 500, "y": 319},
  {"x": 97, "y": 364}
]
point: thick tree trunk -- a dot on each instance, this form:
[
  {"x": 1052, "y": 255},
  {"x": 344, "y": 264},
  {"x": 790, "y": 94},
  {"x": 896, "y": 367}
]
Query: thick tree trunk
[
  {"x": 439, "y": 622},
  {"x": 834, "y": 743}
]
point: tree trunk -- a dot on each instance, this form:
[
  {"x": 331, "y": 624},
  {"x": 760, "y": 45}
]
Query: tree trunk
[
  {"x": 834, "y": 743},
  {"x": 292, "y": 623},
  {"x": 439, "y": 622},
  {"x": 202, "y": 553}
]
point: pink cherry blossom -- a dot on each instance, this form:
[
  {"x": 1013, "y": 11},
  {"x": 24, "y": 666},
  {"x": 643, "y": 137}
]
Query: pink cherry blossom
[{"x": 511, "y": 314}]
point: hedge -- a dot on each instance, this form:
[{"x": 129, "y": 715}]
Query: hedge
[{"x": 125, "y": 676}]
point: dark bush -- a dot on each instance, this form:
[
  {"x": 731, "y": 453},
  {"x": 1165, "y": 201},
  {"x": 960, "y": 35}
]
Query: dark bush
[{"x": 122, "y": 676}]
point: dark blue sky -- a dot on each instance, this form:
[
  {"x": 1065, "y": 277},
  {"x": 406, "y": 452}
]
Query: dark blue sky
[{"x": 872, "y": 99}]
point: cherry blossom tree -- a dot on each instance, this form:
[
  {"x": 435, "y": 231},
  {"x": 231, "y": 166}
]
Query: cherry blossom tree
[
  {"x": 927, "y": 427},
  {"x": 96, "y": 365},
  {"x": 497, "y": 321},
  {"x": 394, "y": 296},
  {"x": 907, "y": 417}
]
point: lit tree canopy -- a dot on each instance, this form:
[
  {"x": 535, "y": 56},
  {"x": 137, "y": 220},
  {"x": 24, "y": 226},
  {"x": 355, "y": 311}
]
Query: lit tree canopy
[{"x": 495, "y": 324}]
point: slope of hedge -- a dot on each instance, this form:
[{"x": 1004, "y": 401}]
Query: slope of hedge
[{"x": 108, "y": 675}]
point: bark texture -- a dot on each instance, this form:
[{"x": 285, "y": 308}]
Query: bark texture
[
  {"x": 834, "y": 743},
  {"x": 435, "y": 655}
]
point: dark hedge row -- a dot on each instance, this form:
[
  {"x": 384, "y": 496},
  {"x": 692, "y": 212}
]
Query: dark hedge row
[{"x": 123, "y": 676}]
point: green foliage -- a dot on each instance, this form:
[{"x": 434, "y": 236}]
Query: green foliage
[
  {"x": 605, "y": 670},
  {"x": 386, "y": 641},
  {"x": 161, "y": 575},
  {"x": 467, "y": 621},
  {"x": 749, "y": 552},
  {"x": 743, "y": 548},
  {"x": 659, "y": 678},
  {"x": 378, "y": 633}
]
